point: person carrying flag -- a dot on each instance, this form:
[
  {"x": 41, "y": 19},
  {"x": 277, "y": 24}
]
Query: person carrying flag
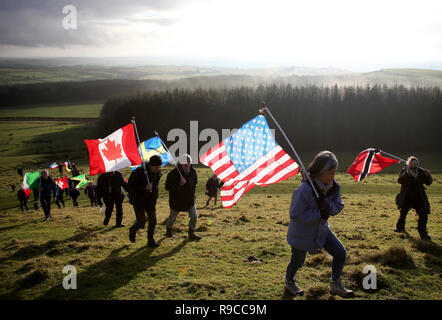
[
  {"x": 47, "y": 187},
  {"x": 109, "y": 189},
  {"x": 181, "y": 186},
  {"x": 144, "y": 198},
  {"x": 308, "y": 230},
  {"x": 413, "y": 196}
]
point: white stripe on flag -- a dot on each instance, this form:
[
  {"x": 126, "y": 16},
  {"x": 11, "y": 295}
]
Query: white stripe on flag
[
  {"x": 255, "y": 166},
  {"x": 213, "y": 155}
]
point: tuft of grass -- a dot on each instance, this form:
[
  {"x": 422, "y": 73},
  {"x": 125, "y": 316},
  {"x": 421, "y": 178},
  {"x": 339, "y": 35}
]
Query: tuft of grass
[
  {"x": 315, "y": 293},
  {"x": 396, "y": 257}
]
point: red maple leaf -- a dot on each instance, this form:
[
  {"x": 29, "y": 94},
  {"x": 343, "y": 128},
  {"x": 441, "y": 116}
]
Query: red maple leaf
[{"x": 112, "y": 151}]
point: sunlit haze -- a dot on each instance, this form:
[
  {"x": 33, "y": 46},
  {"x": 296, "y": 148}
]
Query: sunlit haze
[{"x": 353, "y": 35}]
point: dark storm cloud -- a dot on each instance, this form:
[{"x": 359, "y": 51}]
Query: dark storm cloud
[{"x": 35, "y": 23}]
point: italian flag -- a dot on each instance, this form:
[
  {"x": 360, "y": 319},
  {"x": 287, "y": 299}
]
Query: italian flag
[
  {"x": 117, "y": 151},
  {"x": 31, "y": 180}
]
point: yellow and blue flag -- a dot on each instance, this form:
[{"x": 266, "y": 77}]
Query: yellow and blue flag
[{"x": 151, "y": 147}]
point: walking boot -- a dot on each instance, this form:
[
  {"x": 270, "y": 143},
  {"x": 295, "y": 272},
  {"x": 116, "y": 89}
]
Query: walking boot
[
  {"x": 152, "y": 244},
  {"x": 132, "y": 235},
  {"x": 106, "y": 220},
  {"x": 193, "y": 236},
  {"x": 425, "y": 236},
  {"x": 292, "y": 288},
  {"x": 169, "y": 233},
  {"x": 337, "y": 288}
]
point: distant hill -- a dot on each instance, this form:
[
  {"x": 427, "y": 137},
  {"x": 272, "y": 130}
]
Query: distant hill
[{"x": 27, "y": 71}]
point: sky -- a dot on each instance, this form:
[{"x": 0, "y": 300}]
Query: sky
[{"x": 353, "y": 35}]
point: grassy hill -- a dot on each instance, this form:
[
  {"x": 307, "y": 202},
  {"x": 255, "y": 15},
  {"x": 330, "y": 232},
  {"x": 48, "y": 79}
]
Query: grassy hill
[{"x": 243, "y": 253}]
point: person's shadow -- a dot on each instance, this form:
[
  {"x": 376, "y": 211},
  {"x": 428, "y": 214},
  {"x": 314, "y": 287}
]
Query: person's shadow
[{"x": 100, "y": 280}]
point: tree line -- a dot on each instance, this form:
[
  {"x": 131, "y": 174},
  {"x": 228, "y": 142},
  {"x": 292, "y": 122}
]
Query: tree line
[{"x": 341, "y": 118}]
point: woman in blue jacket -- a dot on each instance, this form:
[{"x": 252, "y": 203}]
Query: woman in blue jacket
[{"x": 309, "y": 230}]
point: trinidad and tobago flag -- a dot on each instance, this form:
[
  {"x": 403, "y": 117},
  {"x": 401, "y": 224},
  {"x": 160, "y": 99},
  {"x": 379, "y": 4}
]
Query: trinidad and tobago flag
[{"x": 367, "y": 162}]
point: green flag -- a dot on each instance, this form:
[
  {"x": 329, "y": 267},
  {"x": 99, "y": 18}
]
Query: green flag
[
  {"x": 31, "y": 180},
  {"x": 83, "y": 180}
]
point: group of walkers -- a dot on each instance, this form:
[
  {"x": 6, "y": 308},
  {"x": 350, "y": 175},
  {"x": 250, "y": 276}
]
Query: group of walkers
[
  {"x": 48, "y": 191},
  {"x": 308, "y": 230}
]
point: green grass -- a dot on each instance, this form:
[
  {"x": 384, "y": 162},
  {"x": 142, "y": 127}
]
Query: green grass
[
  {"x": 110, "y": 267},
  {"x": 33, "y": 253},
  {"x": 54, "y": 111}
]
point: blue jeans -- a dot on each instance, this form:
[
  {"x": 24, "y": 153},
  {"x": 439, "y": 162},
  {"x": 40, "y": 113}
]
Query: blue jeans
[{"x": 332, "y": 245}]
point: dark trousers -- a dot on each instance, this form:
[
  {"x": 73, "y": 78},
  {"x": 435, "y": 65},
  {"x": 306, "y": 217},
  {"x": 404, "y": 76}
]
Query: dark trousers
[
  {"x": 93, "y": 201},
  {"x": 332, "y": 245},
  {"x": 58, "y": 200},
  {"x": 109, "y": 203},
  {"x": 421, "y": 222},
  {"x": 24, "y": 204},
  {"x": 140, "y": 214},
  {"x": 46, "y": 206}
]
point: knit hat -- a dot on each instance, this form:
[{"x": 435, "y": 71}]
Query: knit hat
[{"x": 155, "y": 160}]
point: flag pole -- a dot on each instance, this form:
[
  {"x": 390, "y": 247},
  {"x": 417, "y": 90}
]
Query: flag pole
[
  {"x": 261, "y": 111},
  {"x": 390, "y": 155},
  {"x": 397, "y": 158},
  {"x": 165, "y": 147},
  {"x": 139, "y": 145}
]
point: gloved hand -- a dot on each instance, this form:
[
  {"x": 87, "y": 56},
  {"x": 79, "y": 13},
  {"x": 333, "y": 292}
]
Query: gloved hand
[{"x": 323, "y": 208}]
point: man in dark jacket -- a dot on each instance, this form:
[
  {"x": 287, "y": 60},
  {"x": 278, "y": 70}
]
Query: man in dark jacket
[
  {"x": 144, "y": 198},
  {"x": 59, "y": 197},
  {"x": 181, "y": 186},
  {"x": 109, "y": 189},
  {"x": 413, "y": 196},
  {"x": 91, "y": 192},
  {"x": 47, "y": 188}
]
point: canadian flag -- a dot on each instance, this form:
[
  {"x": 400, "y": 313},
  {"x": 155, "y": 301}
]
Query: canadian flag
[
  {"x": 117, "y": 151},
  {"x": 62, "y": 183}
]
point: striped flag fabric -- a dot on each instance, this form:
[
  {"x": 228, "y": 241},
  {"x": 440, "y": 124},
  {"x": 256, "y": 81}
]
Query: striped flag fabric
[
  {"x": 247, "y": 158},
  {"x": 368, "y": 162},
  {"x": 66, "y": 166}
]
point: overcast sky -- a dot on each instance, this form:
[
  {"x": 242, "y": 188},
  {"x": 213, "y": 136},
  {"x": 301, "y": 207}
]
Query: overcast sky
[{"x": 351, "y": 34}]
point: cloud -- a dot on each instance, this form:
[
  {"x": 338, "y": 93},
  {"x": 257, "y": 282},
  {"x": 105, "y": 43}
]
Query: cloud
[{"x": 38, "y": 23}]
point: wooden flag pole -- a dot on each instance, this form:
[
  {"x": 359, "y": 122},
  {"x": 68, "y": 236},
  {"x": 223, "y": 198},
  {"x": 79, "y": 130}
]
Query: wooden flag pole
[{"x": 261, "y": 111}]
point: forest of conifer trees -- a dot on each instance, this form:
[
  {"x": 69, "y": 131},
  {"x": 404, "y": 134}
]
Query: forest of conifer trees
[{"x": 348, "y": 118}]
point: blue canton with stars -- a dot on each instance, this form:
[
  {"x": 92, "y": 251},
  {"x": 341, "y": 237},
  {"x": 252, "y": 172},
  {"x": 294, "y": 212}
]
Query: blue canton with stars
[{"x": 251, "y": 142}]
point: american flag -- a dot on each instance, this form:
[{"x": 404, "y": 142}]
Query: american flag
[{"x": 248, "y": 157}]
